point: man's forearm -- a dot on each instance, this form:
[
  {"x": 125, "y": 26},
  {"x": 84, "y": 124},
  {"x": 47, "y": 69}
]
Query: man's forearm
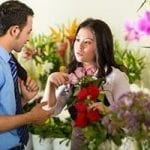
[{"x": 11, "y": 122}]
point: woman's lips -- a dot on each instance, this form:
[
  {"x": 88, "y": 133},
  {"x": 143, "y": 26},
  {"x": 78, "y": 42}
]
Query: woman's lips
[{"x": 79, "y": 54}]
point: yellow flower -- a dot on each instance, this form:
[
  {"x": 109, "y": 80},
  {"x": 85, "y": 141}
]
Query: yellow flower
[
  {"x": 70, "y": 31},
  {"x": 57, "y": 34}
]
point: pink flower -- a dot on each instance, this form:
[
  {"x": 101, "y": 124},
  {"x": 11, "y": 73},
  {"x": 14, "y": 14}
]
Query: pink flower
[
  {"x": 80, "y": 72},
  {"x": 144, "y": 23},
  {"x": 27, "y": 55},
  {"x": 90, "y": 70},
  {"x": 135, "y": 30},
  {"x": 132, "y": 32},
  {"x": 73, "y": 78}
]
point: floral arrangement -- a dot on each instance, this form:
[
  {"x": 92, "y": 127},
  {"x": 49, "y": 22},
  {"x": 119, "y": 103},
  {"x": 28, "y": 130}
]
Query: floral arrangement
[
  {"x": 53, "y": 128},
  {"x": 130, "y": 61},
  {"x": 115, "y": 122},
  {"x": 87, "y": 90},
  {"x": 63, "y": 37},
  {"x": 131, "y": 114},
  {"x": 41, "y": 50}
]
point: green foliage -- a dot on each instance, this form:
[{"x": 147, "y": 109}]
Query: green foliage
[
  {"x": 45, "y": 50},
  {"x": 47, "y": 60},
  {"x": 130, "y": 62},
  {"x": 95, "y": 135},
  {"x": 54, "y": 127}
]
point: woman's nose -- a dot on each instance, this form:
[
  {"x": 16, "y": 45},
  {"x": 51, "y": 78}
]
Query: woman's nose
[{"x": 81, "y": 45}]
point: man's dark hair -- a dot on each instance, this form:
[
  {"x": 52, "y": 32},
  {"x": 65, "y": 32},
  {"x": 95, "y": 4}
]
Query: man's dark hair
[{"x": 12, "y": 13}]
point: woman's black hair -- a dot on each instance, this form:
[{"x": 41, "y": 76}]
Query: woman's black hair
[{"x": 104, "y": 52}]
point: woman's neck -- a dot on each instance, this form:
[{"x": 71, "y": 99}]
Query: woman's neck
[{"x": 89, "y": 65}]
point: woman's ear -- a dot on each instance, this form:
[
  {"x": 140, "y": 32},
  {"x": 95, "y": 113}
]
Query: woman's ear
[{"x": 14, "y": 31}]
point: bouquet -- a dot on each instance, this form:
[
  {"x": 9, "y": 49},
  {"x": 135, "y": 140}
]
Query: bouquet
[
  {"x": 87, "y": 90},
  {"x": 126, "y": 117},
  {"x": 131, "y": 113}
]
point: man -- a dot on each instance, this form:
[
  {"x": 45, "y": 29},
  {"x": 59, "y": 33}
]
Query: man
[{"x": 15, "y": 27}]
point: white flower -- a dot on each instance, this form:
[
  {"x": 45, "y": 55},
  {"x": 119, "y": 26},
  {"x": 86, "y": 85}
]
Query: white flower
[
  {"x": 47, "y": 66},
  {"x": 136, "y": 88},
  {"x": 39, "y": 69}
]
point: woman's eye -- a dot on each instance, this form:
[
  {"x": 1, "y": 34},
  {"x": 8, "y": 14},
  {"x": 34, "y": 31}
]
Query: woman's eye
[
  {"x": 87, "y": 42},
  {"x": 77, "y": 40}
]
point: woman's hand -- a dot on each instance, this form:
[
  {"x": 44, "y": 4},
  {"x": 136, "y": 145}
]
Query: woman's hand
[
  {"x": 58, "y": 78},
  {"x": 100, "y": 106}
]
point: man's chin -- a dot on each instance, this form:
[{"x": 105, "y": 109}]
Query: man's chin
[{"x": 19, "y": 49}]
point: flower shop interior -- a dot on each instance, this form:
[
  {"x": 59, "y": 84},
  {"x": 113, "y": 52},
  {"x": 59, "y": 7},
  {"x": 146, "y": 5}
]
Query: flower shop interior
[{"x": 54, "y": 26}]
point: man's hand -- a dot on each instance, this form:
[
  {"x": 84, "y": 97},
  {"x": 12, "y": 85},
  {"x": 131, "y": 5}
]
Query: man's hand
[
  {"x": 38, "y": 114},
  {"x": 28, "y": 89}
]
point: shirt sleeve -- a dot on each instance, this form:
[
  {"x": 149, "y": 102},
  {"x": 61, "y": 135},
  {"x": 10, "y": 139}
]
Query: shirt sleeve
[{"x": 120, "y": 84}]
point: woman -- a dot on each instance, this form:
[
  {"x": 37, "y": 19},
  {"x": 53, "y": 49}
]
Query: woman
[{"x": 92, "y": 47}]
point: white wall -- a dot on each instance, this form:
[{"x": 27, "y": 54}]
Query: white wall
[
  {"x": 53, "y": 12},
  {"x": 56, "y": 12}
]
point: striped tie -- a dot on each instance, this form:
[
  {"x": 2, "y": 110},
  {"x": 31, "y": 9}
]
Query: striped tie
[{"x": 22, "y": 131}]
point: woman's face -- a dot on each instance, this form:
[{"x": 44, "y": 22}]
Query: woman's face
[{"x": 85, "y": 46}]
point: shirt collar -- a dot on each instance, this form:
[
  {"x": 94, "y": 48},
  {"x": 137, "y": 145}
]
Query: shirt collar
[{"x": 4, "y": 54}]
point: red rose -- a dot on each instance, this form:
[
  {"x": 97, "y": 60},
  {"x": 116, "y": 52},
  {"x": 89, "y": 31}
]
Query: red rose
[
  {"x": 93, "y": 115},
  {"x": 81, "y": 120},
  {"x": 82, "y": 94},
  {"x": 93, "y": 91},
  {"x": 81, "y": 107}
]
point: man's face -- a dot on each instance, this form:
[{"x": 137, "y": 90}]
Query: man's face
[{"x": 23, "y": 35}]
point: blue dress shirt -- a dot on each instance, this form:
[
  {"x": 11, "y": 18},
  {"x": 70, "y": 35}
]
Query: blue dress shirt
[{"x": 8, "y": 139}]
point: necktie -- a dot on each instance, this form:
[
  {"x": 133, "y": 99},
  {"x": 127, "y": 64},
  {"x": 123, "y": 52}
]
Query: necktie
[{"x": 22, "y": 131}]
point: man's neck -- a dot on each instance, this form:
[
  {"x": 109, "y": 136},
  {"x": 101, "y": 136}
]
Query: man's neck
[{"x": 5, "y": 44}]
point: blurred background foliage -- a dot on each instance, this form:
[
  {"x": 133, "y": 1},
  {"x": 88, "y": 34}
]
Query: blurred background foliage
[{"x": 130, "y": 61}]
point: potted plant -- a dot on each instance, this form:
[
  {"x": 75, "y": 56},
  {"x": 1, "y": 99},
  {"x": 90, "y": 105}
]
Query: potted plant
[
  {"x": 44, "y": 136},
  {"x": 41, "y": 50},
  {"x": 130, "y": 62}
]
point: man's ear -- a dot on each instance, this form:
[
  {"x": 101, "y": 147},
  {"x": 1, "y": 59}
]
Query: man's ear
[{"x": 14, "y": 31}]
